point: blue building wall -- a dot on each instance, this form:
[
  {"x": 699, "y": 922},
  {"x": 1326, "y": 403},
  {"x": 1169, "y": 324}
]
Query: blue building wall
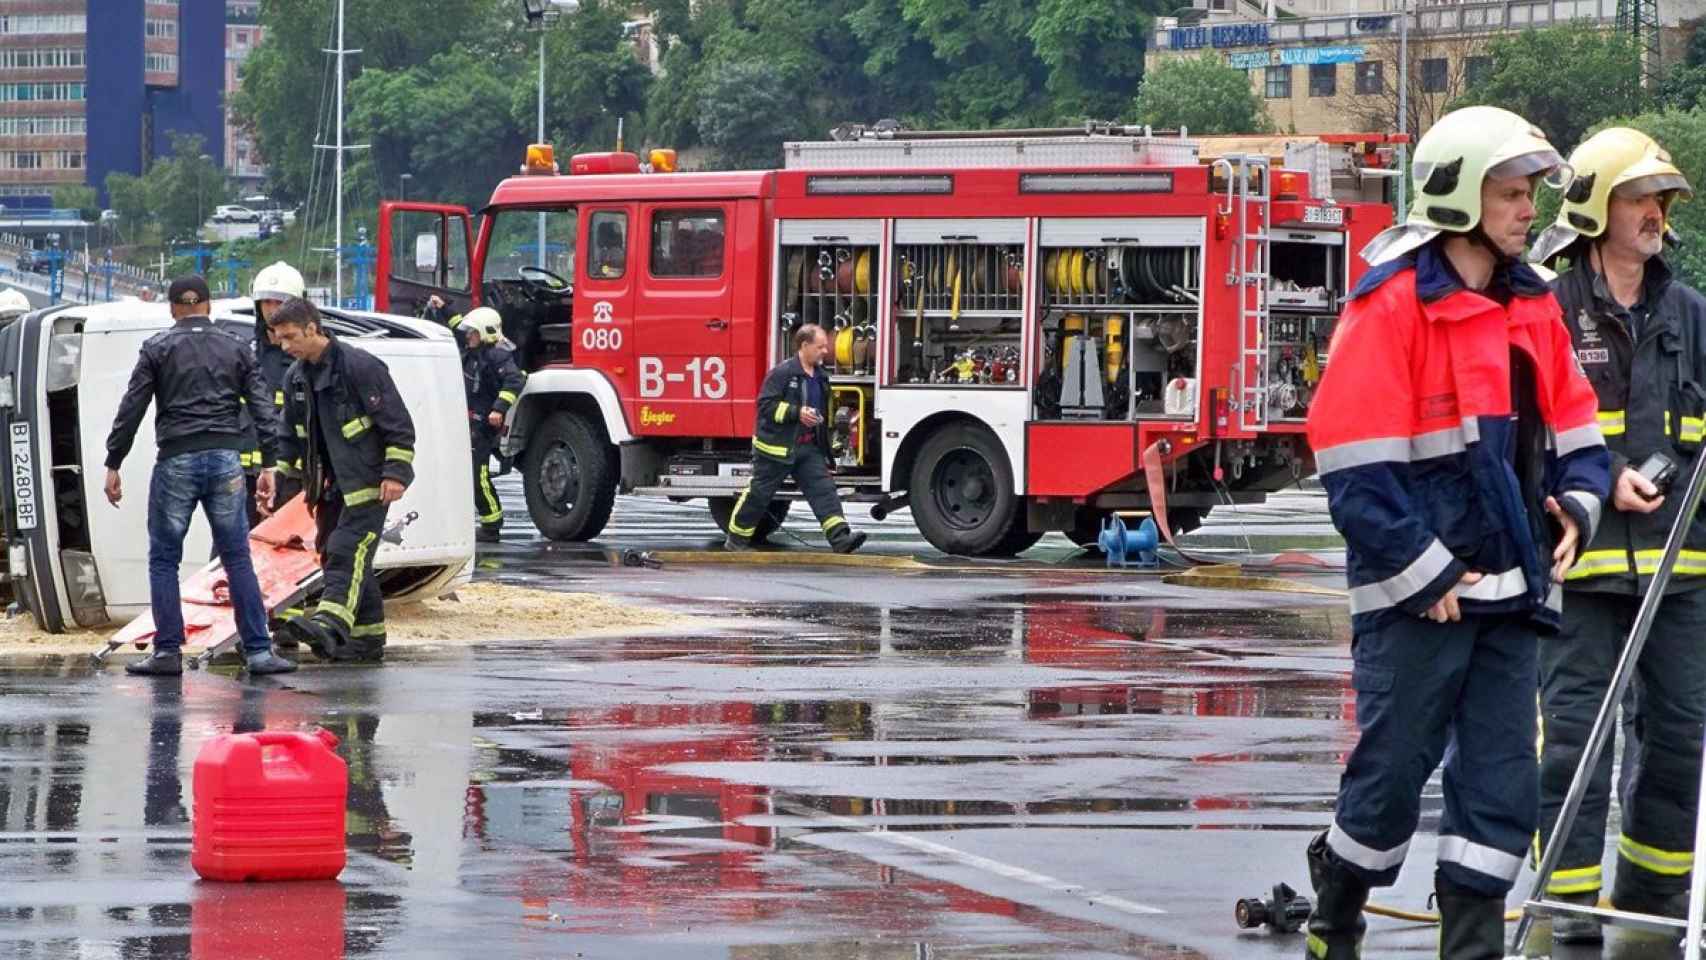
[
  {"x": 116, "y": 99},
  {"x": 130, "y": 125},
  {"x": 197, "y": 104}
]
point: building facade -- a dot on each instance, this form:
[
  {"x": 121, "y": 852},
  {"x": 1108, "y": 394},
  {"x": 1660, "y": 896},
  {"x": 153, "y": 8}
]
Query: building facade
[
  {"x": 85, "y": 94},
  {"x": 242, "y": 36},
  {"x": 1335, "y": 65}
]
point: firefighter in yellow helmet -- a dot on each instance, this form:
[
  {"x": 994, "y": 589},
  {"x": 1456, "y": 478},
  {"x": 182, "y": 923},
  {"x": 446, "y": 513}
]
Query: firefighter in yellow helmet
[
  {"x": 493, "y": 383},
  {"x": 1641, "y": 336},
  {"x": 273, "y": 285}
]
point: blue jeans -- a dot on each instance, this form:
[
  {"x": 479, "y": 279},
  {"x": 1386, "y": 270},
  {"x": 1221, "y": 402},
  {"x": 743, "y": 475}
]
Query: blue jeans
[{"x": 213, "y": 479}]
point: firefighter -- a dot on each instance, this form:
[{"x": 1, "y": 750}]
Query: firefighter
[
  {"x": 271, "y": 286},
  {"x": 196, "y": 373},
  {"x": 1463, "y": 463},
  {"x": 791, "y": 438},
  {"x": 1641, "y": 337},
  {"x": 493, "y": 382},
  {"x": 349, "y": 439}
]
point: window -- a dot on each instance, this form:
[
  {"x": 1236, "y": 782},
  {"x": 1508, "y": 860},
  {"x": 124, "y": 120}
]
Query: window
[
  {"x": 29, "y": 23},
  {"x": 1323, "y": 79},
  {"x": 687, "y": 243},
  {"x": 515, "y": 237},
  {"x": 1433, "y": 75},
  {"x": 1278, "y": 83},
  {"x": 160, "y": 63},
  {"x": 42, "y": 126},
  {"x": 1371, "y": 78},
  {"x": 41, "y": 58},
  {"x": 155, "y": 28},
  {"x": 608, "y": 234},
  {"x": 1477, "y": 69},
  {"x": 16, "y": 92}
]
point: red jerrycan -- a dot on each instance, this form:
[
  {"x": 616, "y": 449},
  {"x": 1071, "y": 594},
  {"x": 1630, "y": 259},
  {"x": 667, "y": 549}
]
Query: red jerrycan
[{"x": 269, "y": 806}]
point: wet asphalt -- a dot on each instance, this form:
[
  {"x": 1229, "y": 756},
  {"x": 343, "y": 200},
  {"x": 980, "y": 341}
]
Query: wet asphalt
[{"x": 1037, "y": 759}]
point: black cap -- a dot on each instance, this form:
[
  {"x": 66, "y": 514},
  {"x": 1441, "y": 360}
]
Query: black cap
[{"x": 188, "y": 290}]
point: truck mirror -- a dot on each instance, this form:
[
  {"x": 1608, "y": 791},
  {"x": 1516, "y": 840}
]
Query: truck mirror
[{"x": 426, "y": 253}]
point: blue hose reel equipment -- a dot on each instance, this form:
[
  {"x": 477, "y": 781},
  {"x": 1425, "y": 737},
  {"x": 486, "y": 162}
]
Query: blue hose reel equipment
[{"x": 1129, "y": 546}]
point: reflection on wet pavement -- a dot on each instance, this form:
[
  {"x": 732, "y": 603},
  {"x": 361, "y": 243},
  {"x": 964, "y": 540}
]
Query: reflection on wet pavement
[{"x": 1036, "y": 774}]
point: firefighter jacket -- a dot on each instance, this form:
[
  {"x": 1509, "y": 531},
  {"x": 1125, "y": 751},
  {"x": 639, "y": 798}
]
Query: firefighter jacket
[
  {"x": 492, "y": 379},
  {"x": 345, "y": 425},
  {"x": 1652, "y": 398},
  {"x": 777, "y": 433},
  {"x": 1432, "y": 469},
  {"x": 273, "y": 362},
  {"x": 205, "y": 383}
]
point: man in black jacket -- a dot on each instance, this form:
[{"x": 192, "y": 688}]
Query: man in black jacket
[
  {"x": 351, "y": 441},
  {"x": 1641, "y": 338},
  {"x": 791, "y": 438},
  {"x": 200, "y": 375}
]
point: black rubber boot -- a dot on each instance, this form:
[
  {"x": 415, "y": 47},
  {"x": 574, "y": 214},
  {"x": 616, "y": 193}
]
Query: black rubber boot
[
  {"x": 1637, "y": 890},
  {"x": 847, "y": 541},
  {"x": 310, "y": 632},
  {"x": 1335, "y": 928},
  {"x": 1471, "y": 925},
  {"x": 735, "y": 544},
  {"x": 157, "y": 664},
  {"x": 488, "y": 534},
  {"x": 265, "y": 662},
  {"x": 1572, "y": 929}
]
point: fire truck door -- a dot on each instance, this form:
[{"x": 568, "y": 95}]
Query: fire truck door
[
  {"x": 424, "y": 248},
  {"x": 682, "y": 321}
]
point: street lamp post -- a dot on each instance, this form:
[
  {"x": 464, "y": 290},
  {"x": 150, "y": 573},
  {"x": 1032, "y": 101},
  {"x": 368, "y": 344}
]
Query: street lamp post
[
  {"x": 200, "y": 182},
  {"x": 540, "y": 15},
  {"x": 403, "y": 181}
]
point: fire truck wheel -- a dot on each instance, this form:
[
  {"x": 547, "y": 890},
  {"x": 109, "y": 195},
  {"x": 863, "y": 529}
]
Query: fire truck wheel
[
  {"x": 570, "y": 478},
  {"x": 962, "y": 492},
  {"x": 722, "y": 508},
  {"x": 1018, "y": 539}
]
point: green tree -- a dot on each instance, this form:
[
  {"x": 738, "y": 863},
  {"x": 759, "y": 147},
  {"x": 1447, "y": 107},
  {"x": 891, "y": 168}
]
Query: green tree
[
  {"x": 747, "y": 111},
  {"x": 1201, "y": 94},
  {"x": 76, "y": 196},
  {"x": 1564, "y": 79},
  {"x": 1685, "y": 82},
  {"x": 129, "y": 197},
  {"x": 184, "y": 189}
]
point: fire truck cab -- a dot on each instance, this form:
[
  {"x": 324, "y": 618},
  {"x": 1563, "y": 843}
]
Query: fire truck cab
[{"x": 1016, "y": 321}]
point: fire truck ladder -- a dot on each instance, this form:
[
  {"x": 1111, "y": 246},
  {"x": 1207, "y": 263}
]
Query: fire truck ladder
[{"x": 1247, "y": 189}]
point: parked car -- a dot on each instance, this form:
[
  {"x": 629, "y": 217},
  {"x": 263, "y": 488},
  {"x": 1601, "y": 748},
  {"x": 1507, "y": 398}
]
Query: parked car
[
  {"x": 34, "y": 261},
  {"x": 235, "y": 213}
]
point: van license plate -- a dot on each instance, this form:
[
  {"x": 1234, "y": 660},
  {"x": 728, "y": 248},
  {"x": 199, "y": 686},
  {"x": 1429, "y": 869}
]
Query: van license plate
[
  {"x": 1326, "y": 216},
  {"x": 23, "y": 481}
]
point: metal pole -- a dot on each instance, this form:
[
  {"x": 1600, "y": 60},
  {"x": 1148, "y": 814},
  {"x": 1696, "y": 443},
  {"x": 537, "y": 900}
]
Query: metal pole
[
  {"x": 1604, "y": 723},
  {"x": 338, "y": 176},
  {"x": 1403, "y": 108},
  {"x": 539, "y": 258},
  {"x": 1697, "y": 889}
]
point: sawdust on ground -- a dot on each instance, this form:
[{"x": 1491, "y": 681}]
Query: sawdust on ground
[{"x": 474, "y": 614}]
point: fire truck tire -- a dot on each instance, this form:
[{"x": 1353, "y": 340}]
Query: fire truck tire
[
  {"x": 723, "y": 508},
  {"x": 1088, "y": 525},
  {"x": 962, "y": 493},
  {"x": 1019, "y": 539},
  {"x": 570, "y": 478}
]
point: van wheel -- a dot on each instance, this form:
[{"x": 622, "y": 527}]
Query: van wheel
[
  {"x": 570, "y": 478},
  {"x": 723, "y": 510},
  {"x": 962, "y": 492}
]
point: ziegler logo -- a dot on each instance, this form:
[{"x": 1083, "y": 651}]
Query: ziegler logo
[{"x": 655, "y": 418}]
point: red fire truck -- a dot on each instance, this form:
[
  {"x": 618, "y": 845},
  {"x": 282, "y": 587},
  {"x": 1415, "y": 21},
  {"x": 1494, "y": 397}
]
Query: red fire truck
[{"x": 1016, "y": 319}]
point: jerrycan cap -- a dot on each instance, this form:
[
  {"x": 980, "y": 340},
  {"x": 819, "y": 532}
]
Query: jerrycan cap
[{"x": 326, "y": 737}]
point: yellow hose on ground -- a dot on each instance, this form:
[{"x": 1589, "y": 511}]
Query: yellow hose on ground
[{"x": 1375, "y": 909}]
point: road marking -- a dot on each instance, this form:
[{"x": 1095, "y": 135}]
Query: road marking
[{"x": 996, "y": 867}]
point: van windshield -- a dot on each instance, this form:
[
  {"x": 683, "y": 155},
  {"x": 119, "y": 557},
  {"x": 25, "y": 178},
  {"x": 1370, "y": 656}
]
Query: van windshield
[{"x": 515, "y": 243}]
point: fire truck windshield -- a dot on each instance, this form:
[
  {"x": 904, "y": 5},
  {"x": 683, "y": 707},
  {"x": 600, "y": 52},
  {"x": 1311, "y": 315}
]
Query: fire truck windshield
[{"x": 516, "y": 243}]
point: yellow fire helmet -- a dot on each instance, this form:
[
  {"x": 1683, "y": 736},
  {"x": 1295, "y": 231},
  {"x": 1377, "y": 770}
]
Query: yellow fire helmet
[
  {"x": 1617, "y": 160},
  {"x": 277, "y": 281},
  {"x": 1457, "y": 154},
  {"x": 486, "y": 321}
]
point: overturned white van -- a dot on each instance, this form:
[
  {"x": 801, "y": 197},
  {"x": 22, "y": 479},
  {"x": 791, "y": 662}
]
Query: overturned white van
[{"x": 74, "y": 560}]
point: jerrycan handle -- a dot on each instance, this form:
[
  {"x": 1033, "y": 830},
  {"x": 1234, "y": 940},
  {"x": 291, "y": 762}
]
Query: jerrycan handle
[{"x": 266, "y": 737}]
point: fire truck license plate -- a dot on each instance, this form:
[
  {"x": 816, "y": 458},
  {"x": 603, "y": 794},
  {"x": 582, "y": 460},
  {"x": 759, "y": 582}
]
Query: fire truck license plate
[
  {"x": 23, "y": 486},
  {"x": 1327, "y": 216}
]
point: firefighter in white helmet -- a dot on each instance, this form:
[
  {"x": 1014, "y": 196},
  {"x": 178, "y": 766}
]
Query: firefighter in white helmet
[
  {"x": 273, "y": 285},
  {"x": 1463, "y": 463},
  {"x": 1641, "y": 336},
  {"x": 13, "y": 304},
  {"x": 493, "y": 383}
]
